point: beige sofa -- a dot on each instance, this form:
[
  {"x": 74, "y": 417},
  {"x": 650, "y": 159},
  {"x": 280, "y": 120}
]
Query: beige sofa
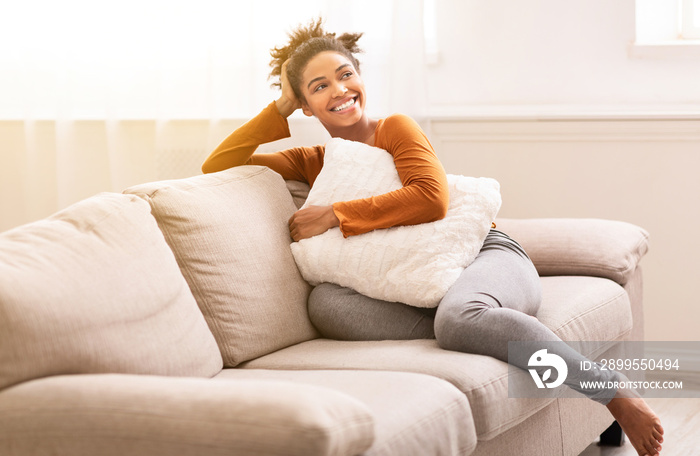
[{"x": 171, "y": 320}]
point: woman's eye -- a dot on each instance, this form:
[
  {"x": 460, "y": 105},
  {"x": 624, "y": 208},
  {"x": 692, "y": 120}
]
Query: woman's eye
[
  {"x": 346, "y": 75},
  {"x": 319, "y": 87}
]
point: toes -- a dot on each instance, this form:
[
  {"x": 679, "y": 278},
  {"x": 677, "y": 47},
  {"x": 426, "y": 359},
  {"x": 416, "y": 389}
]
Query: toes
[
  {"x": 643, "y": 450},
  {"x": 654, "y": 449},
  {"x": 659, "y": 438},
  {"x": 650, "y": 449}
]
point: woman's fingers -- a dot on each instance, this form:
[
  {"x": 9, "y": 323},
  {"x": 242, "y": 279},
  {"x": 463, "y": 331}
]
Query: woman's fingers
[
  {"x": 311, "y": 221},
  {"x": 288, "y": 102}
]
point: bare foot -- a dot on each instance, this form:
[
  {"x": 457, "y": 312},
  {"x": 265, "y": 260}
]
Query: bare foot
[{"x": 639, "y": 423}]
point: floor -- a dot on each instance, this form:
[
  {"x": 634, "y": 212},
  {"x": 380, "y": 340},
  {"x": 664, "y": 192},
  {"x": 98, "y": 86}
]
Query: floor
[{"x": 681, "y": 421}]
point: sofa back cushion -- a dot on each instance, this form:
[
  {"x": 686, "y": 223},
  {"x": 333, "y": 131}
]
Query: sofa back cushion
[
  {"x": 95, "y": 289},
  {"x": 229, "y": 231},
  {"x": 610, "y": 249}
]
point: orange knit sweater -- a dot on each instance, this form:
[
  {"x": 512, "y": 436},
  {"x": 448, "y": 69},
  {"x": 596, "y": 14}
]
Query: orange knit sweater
[{"x": 423, "y": 198}]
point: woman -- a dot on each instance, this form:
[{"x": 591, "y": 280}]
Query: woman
[{"x": 495, "y": 298}]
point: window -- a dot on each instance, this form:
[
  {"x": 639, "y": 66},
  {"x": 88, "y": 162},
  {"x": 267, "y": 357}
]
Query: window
[
  {"x": 148, "y": 59},
  {"x": 690, "y": 19},
  {"x": 666, "y": 29}
]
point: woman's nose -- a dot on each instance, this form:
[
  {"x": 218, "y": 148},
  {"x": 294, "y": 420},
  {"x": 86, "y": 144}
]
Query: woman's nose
[{"x": 340, "y": 90}]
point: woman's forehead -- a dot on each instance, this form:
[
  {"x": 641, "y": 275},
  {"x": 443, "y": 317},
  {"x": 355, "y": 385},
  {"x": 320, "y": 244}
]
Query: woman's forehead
[{"x": 325, "y": 64}]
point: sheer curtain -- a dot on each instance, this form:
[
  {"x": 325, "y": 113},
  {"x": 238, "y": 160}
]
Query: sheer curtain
[{"x": 97, "y": 96}]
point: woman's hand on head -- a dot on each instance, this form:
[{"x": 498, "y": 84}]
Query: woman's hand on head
[
  {"x": 311, "y": 221},
  {"x": 288, "y": 102}
]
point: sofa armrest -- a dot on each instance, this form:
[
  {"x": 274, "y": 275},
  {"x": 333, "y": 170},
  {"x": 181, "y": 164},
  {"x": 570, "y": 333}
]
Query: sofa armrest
[
  {"x": 590, "y": 247},
  {"x": 116, "y": 414}
]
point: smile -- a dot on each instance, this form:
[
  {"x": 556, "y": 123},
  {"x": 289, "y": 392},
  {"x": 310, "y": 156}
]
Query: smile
[{"x": 345, "y": 105}]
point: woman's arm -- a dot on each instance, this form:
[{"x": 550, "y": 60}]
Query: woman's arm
[
  {"x": 424, "y": 196},
  {"x": 299, "y": 163},
  {"x": 238, "y": 148},
  {"x": 270, "y": 125}
]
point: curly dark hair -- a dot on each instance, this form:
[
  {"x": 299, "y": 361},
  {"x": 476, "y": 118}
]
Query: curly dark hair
[{"x": 304, "y": 43}]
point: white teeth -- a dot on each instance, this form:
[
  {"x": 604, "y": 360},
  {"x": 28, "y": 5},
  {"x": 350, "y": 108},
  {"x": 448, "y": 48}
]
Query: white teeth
[{"x": 344, "y": 105}]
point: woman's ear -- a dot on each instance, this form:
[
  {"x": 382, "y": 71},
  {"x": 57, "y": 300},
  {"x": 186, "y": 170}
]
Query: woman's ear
[{"x": 305, "y": 109}]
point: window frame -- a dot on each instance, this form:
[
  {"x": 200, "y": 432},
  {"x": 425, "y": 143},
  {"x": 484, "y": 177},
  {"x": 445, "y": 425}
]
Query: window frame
[
  {"x": 665, "y": 39},
  {"x": 689, "y": 30}
]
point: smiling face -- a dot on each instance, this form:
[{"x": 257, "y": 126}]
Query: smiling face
[{"x": 333, "y": 91}]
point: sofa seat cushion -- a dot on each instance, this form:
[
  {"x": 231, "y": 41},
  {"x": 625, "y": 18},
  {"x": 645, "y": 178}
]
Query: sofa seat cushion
[
  {"x": 231, "y": 238},
  {"x": 95, "y": 289},
  {"x": 482, "y": 379},
  {"x": 115, "y": 415},
  {"x": 413, "y": 414},
  {"x": 572, "y": 306},
  {"x": 579, "y": 308}
]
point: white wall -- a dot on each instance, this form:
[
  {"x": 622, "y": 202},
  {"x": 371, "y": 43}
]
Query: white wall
[{"x": 551, "y": 52}]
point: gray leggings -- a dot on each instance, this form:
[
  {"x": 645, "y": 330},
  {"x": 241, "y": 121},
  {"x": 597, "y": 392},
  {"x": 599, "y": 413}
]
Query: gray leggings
[{"x": 493, "y": 302}]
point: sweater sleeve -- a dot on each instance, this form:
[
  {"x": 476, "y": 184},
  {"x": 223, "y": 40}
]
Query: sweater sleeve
[
  {"x": 299, "y": 163},
  {"x": 424, "y": 196},
  {"x": 240, "y": 145}
]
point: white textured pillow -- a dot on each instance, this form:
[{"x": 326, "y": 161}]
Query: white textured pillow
[{"x": 414, "y": 264}]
